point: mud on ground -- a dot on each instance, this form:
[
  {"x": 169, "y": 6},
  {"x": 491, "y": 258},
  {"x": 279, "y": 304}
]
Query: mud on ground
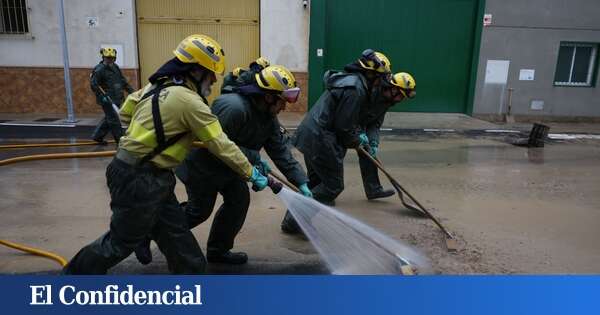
[{"x": 512, "y": 209}]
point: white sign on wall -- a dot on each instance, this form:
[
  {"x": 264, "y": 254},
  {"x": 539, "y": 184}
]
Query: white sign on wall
[
  {"x": 92, "y": 21},
  {"x": 496, "y": 71},
  {"x": 537, "y": 104},
  {"x": 487, "y": 19},
  {"x": 526, "y": 74},
  {"x": 120, "y": 54}
]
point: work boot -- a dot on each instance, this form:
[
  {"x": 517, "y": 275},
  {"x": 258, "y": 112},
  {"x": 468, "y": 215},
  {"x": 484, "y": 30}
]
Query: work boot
[
  {"x": 330, "y": 203},
  {"x": 324, "y": 200},
  {"x": 289, "y": 225},
  {"x": 143, "y": 252},
  {"x": 228, "y": 257},
  {"x": 381, "y": 193}
]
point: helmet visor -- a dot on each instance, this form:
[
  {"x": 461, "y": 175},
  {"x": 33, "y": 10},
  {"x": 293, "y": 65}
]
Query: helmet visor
[{"x": 290, "y": 95}]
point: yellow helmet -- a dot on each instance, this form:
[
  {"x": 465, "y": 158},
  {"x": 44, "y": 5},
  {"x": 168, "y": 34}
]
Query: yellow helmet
[
  {"x": 202, "y": 50},
  {"x": 237, "y": 71},
  {"x": 108, "y": 52},
  {"x": 280, "y": 79},
  {"x": 405, "y": 82},
  {"x": 263, "y": 62},
  {"x": 376, "y": 61},
  {"x": 259, "y": 64}
]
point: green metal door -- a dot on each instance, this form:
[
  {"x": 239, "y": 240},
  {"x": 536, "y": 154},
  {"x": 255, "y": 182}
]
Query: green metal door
[{"x": 431, "y": 39}]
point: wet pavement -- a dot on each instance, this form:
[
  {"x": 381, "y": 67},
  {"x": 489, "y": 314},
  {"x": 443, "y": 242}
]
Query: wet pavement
[
  {"x": 512, "y": 209},
  {"x": 56, "y": 126}
]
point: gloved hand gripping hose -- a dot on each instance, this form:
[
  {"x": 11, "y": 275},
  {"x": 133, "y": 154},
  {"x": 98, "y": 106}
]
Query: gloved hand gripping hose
[
  {"x": 275, "y": 185},
  {"x": 114, "y": 106}
]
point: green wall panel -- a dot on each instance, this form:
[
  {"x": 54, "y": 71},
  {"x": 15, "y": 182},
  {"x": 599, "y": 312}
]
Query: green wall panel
[{"x": 432, "y": 39}]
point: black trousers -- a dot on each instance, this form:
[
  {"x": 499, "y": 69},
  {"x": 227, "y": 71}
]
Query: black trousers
[
  {"x": 231, "y": 215},
  {"x": 326, "y": 181},
  {"x": 326, "y": 177},
  {"x": 143, "y": 203},
  {"x": 110, "y": 122}
]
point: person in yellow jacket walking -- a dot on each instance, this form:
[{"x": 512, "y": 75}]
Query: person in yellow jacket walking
[{"x": 164, "y": 118}]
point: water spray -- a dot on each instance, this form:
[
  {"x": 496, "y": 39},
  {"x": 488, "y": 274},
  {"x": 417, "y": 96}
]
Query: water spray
[{"x": 334, "y": 234}]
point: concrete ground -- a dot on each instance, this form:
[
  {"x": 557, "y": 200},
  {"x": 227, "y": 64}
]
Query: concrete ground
[{"x": 513, "y": 210}]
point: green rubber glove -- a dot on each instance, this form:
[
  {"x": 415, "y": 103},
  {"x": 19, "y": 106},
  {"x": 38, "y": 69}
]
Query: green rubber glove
[
  {"x": 258, "y": 180},
  {"x": 106, "y": 100},
  {"x": 265, "y": 167},
  {"x": 305, "y": 191},
  {"x": 363, "y": 140}
]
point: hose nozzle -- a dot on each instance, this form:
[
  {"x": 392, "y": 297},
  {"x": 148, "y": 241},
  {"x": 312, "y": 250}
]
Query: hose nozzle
[{"x": 274, "y": 185}]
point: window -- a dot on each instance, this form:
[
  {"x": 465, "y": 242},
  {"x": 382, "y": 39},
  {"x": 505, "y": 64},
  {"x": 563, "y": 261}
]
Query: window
[
  {"x": 13, "y": 17},
  {"x": 576, "y": 64}
]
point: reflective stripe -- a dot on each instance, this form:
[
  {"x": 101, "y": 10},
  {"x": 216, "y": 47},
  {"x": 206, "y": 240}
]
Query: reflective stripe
[
  {"x": 177, "y": 151},
  {"x": 142, "y": 135},
  {"x": 137, "y": 132},
  {"x": 206, "y": 51},
  {"x": 185, "y": 53},
  {"x": 128, "y": 106},
  {"x": 209, "y": 131}
]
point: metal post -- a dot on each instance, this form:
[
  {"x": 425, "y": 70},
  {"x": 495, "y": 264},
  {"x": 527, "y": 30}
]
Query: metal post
[
  {"x": 65, "y": 49},
  {"x": 510, "y": 93}
]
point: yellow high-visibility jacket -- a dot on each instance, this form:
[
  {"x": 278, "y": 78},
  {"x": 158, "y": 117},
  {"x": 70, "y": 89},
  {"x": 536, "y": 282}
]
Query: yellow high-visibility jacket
[{"x": 181, "y": 110}]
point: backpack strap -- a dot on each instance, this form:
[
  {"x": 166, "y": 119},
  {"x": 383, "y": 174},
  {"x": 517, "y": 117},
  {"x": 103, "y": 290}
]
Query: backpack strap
[{"x": 158, "y": 125}]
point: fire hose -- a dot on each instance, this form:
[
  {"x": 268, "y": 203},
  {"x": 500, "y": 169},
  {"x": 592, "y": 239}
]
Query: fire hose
[
  {"x": 54, "y": 156},
  {"x": 36, "y": 251},
  {"x": 50, "y": 145}
]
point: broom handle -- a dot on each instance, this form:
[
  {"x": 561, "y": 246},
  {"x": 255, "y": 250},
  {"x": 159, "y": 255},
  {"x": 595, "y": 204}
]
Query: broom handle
[{"x": 395, "y": 183}]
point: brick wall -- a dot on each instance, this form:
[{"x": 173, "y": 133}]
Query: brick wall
[
  {"x": 42, "y": 90},
  {"x": 301, "y": 104}
]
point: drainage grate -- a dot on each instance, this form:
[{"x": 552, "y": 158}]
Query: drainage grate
[{"x": 47, "y": 119}]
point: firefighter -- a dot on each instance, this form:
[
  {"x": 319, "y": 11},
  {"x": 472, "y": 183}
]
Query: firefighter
[
  {"x": 108, "y": 83},
  {"x": 249, "y": 117},
  {"x": 239, "y": 76},
  {"x": 164, "y": 118},
  {"x": 348, "y": 114}
]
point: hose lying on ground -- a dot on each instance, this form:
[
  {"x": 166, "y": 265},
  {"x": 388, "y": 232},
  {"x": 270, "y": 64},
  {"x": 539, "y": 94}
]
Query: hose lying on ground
[
  {"x": 55, "y": 156},
  {"x": 196, "y": 144},
  {"x": 35, "y": 251},
  {"x": 62, "y": 261},
  {"x": 49, "y": 145}
]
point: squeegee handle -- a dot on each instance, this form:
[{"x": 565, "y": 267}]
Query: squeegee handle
[{"x": 395, "y": 183}]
